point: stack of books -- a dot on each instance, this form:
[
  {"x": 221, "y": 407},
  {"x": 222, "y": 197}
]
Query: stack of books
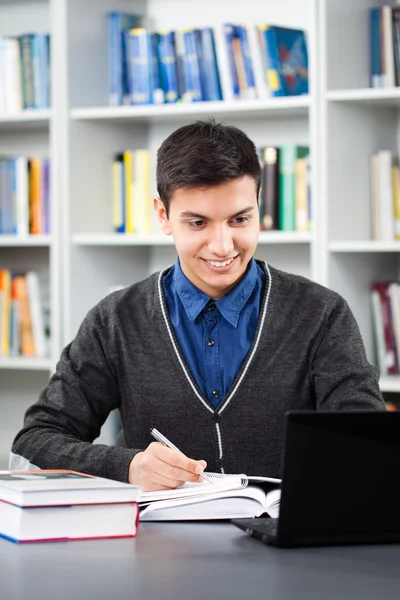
[
  {"x": 39, "y": 506},
  {"x": 24, "y": 196},
  {"x": 25, "y": 69},
  {"x": 227, "y": 62}
]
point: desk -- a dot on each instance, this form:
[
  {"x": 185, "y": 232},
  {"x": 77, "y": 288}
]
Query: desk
[{"x": 195, "y": 561}]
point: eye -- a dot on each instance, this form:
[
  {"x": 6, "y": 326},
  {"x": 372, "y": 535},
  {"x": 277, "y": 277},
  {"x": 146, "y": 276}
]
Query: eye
[
  {"x": 240, "y": 220},
  {"x": 196, "y": 224}
]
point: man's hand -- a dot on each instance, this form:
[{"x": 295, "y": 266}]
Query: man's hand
[{"x": 160, "y": 468}]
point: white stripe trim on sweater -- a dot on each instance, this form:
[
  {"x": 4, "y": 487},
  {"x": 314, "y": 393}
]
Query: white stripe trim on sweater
[{"x": 249, "y": 360}]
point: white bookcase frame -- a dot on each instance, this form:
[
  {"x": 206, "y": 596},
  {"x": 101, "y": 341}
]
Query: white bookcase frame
[{"x": 341, "y": 119}]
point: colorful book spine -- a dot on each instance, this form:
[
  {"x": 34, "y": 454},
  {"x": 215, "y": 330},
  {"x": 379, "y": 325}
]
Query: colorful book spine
[
  {"x": 28, "y": 90},
  {"x": 191, "y": 68},
  {"x": 167, "y": 57},
  {"x": 140, "y": 66},
  {"x": 272, "y": 60},
  {"x": 289, "y": 153},
  {"x": 208, "y": 66},
  {"x": 119, "y": 24},
  {"x": 251, "y": 91},
  {"x": 229, "y": 33}
]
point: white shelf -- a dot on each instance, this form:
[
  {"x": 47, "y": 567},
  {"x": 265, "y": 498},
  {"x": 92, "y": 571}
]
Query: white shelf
[
  {"x": 27, "y": 364},
  {"x": 390, "y": 383},
  {"x": 284, "y": 237},
  {"x": 378, "y": 96},
  {"x": 120, "y": 239},
  {"x": 30, "y": 240},
  {"x": 364, "y": 246},
  {"x": 295, "y": 105},
  {"x": 26, "y": 119},
  {"x": 115, "y": 239}
]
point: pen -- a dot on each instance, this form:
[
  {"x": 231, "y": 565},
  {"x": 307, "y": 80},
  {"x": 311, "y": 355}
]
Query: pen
[{"x": 163, "y": 440}]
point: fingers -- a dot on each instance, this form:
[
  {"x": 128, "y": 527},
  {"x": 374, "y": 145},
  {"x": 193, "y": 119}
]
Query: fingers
[{"x": 159, "y": 467}]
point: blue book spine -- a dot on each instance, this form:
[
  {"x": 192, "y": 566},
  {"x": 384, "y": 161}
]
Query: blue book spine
[
  {"x": 118, "y": 24},
  {"x": 7, "y": 198},
  {"x": 251, "y": 91},
  {"x": 273, "y": 72},
  {"x": 209, "y": 65},
  {"x": 375, "y": 47},
  {"x": 229, "y": 31},
  {"x": 167, "y": 57},
  {"x": 192, "y": 61},
  {"x": 114, "y": 60},
  {"x": 14, "y": 195},
  {"x": 140, "y": 66},
  {"x": 43, "y": 60},
  {"x": 158, "y": 92},
  {"x": 37, "y": 91}
]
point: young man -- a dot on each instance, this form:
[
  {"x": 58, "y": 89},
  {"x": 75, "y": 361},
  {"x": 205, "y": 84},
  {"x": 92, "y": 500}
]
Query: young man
[{"x": 211, "y": 352}]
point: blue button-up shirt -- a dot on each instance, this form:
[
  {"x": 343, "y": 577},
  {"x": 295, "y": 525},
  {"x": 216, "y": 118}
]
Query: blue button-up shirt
[{"x": 214, "y": 336}]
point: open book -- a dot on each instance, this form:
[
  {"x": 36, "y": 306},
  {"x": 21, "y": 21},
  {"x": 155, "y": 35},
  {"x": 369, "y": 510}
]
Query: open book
[{"x": 228, "y": 497}]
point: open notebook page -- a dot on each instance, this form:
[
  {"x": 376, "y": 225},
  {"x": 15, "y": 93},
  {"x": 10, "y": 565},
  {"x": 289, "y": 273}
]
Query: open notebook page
[{"x": 188, "y": 490}]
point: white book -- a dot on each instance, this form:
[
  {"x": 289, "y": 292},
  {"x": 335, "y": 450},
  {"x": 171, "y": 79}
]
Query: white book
[
  {"x": 389, "y": 76},
  {"x": 263, "y": 90},
  {"x": 228, "y": 497},
  {"x": 379, "y": 334},
  {"x": 36, "y": 313},
  {"x": 385, "y": 186},
  {"x": 62, "y": 487},
  {"x": 394, "y": 297},
  {"x": 221, "y": 52},
  {"x": 14, "y": 75},
  {"x": 65, "y": 505},
  {"x": 374, "y": 192},
  {"x": 22, "y": 196}
]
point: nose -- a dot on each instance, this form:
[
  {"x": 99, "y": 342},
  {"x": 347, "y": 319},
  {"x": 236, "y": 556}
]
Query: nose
[{"x": 221, "y": 243}]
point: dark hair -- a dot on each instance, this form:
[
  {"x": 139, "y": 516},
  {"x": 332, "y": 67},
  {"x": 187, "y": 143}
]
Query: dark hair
[{"x": 202, "y": 155}]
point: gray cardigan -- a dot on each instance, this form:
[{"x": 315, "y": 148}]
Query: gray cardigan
[{"x": 307, "y": 354}]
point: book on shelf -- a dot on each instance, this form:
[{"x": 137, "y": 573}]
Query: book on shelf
[
  {"x": 24, "y": 323},
  {"x": 228, "y": 497},
  {"x": 25, "y": 68},
  {"x": 285, "y": 188},
  {"x": 385, "y": 197},
  {"x": 230, "y": 61},
  {"x": 385, "y": 306},
  {"x": 49, "y": 505},
  {"x": 384, "y": 46},
  {"x": 286, "y": 59},
  {"x": 24, "y": 196},
  {"x": 131, "y": 196}
]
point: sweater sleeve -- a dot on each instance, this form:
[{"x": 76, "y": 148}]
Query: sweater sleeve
[
  {"x": 342, "y": 376},
  {"x": 60, "y": 427}
]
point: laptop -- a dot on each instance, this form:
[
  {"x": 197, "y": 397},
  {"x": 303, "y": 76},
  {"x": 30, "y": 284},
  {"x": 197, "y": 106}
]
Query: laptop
[{"x": 339, "y": 481}]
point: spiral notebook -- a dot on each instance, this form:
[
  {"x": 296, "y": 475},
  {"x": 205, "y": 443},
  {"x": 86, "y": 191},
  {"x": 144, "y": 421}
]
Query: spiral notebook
[{"x": 227, "y": 497}]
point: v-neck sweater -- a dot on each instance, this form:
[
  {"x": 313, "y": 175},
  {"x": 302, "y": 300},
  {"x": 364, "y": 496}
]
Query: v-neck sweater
[{"x": 307, "y": 354}]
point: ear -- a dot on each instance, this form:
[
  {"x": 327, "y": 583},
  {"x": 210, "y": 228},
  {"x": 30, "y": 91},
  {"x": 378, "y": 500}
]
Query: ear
[{"x": 162, "y": 216}]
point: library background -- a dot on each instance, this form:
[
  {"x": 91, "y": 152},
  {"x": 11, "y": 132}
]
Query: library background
[{"x": 88, "y": 91}]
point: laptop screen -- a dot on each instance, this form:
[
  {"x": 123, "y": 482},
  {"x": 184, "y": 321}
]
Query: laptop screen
[{"x": 340, "y": 474}]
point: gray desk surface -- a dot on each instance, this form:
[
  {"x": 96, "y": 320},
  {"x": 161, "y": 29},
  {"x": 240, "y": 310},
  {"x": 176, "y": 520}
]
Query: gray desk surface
[{"x": 193, "y": 561}]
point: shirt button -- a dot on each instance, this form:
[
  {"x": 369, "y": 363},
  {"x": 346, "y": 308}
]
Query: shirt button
[
  {"x": 211, "y": 342},
  {"x": 217, "y": 418},
  {"x": 215, "y": 394},
  {"x": 211, "y": 307}
]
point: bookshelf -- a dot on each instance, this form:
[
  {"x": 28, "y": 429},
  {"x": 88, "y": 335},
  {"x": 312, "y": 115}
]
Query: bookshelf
[
  {"x": 342, "y": 120},
  {"x": 31, "y": 133}
]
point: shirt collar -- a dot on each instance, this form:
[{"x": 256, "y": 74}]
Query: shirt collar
[{"x": 230, "y": 305}]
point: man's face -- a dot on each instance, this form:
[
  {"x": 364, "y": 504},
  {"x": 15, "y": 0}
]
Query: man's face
[{"x": 215, "y": 232}]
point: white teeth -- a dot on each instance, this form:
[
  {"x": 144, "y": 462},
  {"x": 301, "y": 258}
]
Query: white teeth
[{"x": 224, "y": 263}]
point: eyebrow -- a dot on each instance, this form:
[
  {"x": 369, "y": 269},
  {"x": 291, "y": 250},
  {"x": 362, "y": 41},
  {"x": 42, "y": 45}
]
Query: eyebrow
[{"x": 188, "y": 213}]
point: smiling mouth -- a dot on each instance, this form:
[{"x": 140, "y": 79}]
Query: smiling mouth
[{"x": 220, "y": 263}]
